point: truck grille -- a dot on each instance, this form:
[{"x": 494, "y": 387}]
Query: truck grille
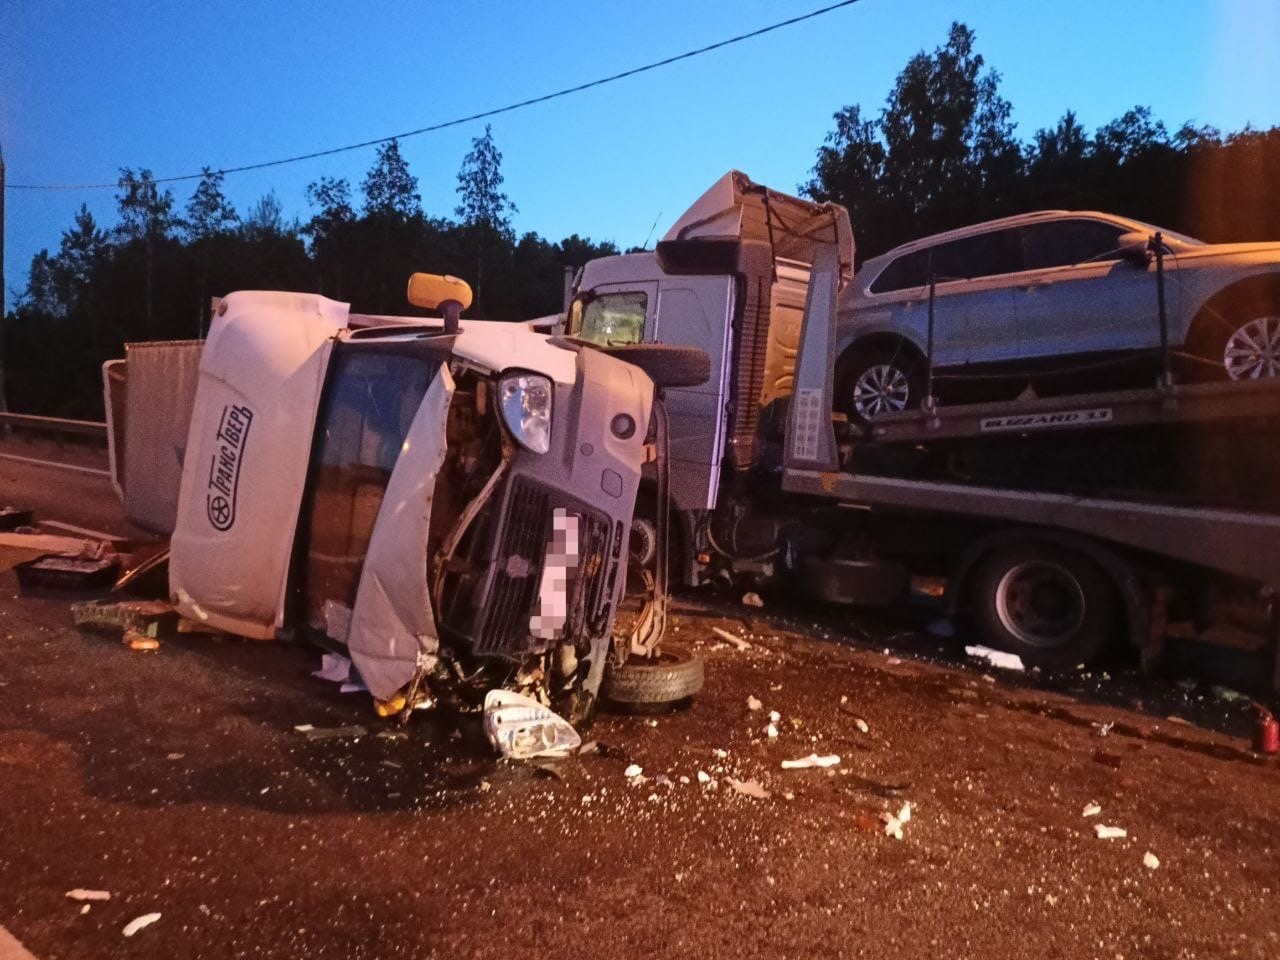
[{"x": 513, "y": 590}]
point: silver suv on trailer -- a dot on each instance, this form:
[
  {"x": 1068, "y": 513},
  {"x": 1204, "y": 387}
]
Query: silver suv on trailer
[{"x": 1057, "y": 299}]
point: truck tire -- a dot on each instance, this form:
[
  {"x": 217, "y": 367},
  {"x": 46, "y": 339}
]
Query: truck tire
[
  {"x": 666, "y": 364},
  {"x": 639, "y": 685},
  {"x": 1049, "y": 605}
]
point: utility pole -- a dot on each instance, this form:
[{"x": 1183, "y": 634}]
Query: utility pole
[{"x": 4, "y": 404}]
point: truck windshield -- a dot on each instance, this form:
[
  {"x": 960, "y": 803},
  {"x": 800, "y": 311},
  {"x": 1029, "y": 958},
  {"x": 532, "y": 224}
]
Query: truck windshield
[{"x": 609, "y": 318}]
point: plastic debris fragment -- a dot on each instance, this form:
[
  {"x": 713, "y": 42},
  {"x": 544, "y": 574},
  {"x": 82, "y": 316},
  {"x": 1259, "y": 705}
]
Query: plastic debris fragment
[
  {"x": 749, "y": 788},
  {"x": 812, "y": 760},
  {"x": 633, "y": 771},
  {"x": 753, "y": 703},
  {"x": 1090, "y": 810},
  {"x": 520, "y": 727},
  {"x": 1105, "y": 832},
  {"x": 1150, "y": 861},
  {"x": 737, "y": 642},
  {"x": 138, "y": 923},
  {"x": 751, "y": 599},
  {"x": 771, "y": 732},
  {"x": 79, "y": 893},
  {"x": 893, "y": 823},
  {"x": 861, "y": 725},
  {"x": 997, "y": 658}
]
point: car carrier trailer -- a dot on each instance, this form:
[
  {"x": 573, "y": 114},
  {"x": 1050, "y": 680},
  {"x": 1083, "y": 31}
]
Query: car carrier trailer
[{"x": 1057, "y": 524}]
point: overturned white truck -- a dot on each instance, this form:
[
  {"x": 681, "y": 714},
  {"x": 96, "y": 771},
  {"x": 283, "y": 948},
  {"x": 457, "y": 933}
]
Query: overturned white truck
[{"x": 445, "y": 502}]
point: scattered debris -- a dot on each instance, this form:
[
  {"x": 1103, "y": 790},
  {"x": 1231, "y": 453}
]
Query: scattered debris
[
  {"x": 751, "y": 599},
  {"x": 147, "y": 617},
  {"x": 704, "y": 777},
  {"x": 774, "y": 716},
  {"x": 737, "y": 642},
  {"x": 1105, "y": 728},
  {"x": 861, "y": 725},
  {"x": 753, "y": 703},
  {"x": 720, "y": 754},
  {"x": 1104, "y": 832},
  {"x": 1179, "y": 721},
  {"x": 1150, "y": 861},
  {"x": 749, "y": 788},
  {"x": 1090, "y": 810},
  {"x": 1226, "y": 693},
  {"x": 138, "y": 923},
  {"x": 333, "y": 666},
  {"x": 893, "y": 823},
  {"x": 1050, "y": 899},
  {"x": 520, "y": 727},
  {"x": 331, "y": 733},
  {"x": 633, "y": 771},
  {"x": 812, "y": 760},
  {"x": 771, "y": 732},
  {"x": 79, "y": 893},
  {"x": 997, "y": 658},
  {"x": 140, "y": 642}
]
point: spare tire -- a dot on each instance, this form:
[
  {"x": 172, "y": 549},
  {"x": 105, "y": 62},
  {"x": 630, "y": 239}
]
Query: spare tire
[
  {"x": 644, "y": 684},
  {"x": 666, "y": 364}
]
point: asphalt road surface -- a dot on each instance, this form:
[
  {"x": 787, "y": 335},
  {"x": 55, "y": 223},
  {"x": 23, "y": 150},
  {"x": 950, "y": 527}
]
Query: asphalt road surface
[{"x": 176, "y": 782}]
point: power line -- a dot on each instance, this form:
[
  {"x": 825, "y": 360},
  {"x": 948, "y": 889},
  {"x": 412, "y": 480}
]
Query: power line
[{"x": 460, "y": 120}]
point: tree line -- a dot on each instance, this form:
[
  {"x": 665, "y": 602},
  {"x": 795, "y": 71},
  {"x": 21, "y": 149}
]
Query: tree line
[
  {"x": 940, "y": 153},
  {"x": 151, "y": 276}
]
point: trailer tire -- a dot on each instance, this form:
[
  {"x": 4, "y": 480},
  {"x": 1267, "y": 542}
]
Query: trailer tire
[
  {"x": 641, "y": 685},
  {"x": 1051, "y": 606},
  {"x": 666, "y": 364}
]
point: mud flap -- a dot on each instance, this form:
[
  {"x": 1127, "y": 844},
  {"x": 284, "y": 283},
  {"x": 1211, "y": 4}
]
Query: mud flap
[{"x": 393, "y": 632}]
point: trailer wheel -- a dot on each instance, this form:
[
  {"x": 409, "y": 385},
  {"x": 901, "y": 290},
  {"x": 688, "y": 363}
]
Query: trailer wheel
[
  {"x": 1050, "y": 606},
  {"x": 650, "y": 685},
  {"x": 666, "y": 364}
]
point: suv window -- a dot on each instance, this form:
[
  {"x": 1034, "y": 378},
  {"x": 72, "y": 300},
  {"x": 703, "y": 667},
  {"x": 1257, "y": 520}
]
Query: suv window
[
  {"x": 1064, "y": 243},
  {"x": 909, "y": 270},
  {"x": 610, "y": 318},
  {"x": 982, "y": 255}
]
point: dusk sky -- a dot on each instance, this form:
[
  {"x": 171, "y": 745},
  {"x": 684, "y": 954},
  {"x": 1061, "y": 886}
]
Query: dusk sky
[{"x": 87, "y": 88}]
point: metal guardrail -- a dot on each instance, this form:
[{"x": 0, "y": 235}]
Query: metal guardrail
[{"x": 88, "y": 429}]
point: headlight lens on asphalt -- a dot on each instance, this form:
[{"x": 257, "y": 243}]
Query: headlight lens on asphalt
[{"x": 526, "y": 407}]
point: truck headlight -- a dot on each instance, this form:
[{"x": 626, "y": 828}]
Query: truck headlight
[{"x": 526, "y": 407}]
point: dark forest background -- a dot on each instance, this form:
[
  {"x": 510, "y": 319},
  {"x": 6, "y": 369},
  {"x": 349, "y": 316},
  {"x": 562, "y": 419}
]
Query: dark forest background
[{"x": 941, "y": 152}]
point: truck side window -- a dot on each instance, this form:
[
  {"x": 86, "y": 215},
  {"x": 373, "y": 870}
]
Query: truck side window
[{"x": 610, "y": 318}]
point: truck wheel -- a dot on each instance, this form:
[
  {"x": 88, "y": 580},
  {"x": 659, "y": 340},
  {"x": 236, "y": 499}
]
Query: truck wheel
[
  {"x": 1050, "y": 606},
  {"x": 666, "y": 364},
  {"x": 649, "y": 685},
  {"x": 878, "y": 380}
]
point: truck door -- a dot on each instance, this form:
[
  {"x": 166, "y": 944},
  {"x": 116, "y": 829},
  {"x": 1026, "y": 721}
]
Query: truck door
[{"x": 697, "y": 311}]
